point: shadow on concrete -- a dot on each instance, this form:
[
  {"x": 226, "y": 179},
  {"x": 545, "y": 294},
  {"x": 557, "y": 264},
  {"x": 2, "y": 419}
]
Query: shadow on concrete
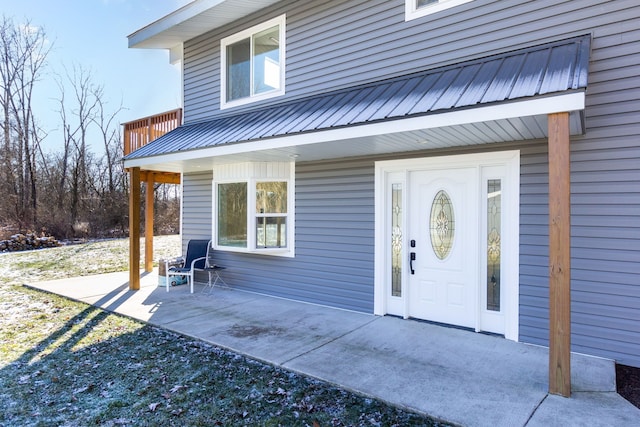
[{"x": 451, "y": 374}]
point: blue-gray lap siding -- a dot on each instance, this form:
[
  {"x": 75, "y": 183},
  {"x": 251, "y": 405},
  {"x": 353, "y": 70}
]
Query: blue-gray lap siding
[
  {"x": 334, "y": 223},
  {"x": 605, "y": 250},
  {"x": 323, "y": 36},
  {"x": 338, "y": 44},
  {"x": 334, "y": 246}
]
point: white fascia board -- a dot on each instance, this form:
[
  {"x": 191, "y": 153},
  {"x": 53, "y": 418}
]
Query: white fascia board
[
  {"x": 177, "y": 17},
  {"x": 192, "y": 20},
  {"x": 566, "y": 102}
]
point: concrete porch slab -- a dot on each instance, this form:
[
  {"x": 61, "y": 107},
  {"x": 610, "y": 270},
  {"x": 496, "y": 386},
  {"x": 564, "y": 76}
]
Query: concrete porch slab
[{"x": 455, "y": 375}]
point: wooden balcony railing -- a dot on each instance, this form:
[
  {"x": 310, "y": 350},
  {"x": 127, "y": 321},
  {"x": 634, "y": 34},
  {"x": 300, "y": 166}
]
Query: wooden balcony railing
[{"x": 139, "y": 133}]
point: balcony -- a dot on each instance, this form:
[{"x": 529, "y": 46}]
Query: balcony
[{"x": 139, "y": 133}]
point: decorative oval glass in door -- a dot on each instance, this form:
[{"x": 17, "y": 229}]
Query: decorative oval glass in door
[{"x": 442, "y": 225}]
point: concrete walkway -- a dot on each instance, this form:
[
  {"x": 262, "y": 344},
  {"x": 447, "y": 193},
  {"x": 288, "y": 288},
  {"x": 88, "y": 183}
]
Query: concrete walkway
[{"x": 458, "y": 376}]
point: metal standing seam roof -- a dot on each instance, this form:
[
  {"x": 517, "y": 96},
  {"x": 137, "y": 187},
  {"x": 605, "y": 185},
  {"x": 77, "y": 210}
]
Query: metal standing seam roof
[{"x": 539, "y": 70}]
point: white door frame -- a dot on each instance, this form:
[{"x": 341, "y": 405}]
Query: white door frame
[{"x": 397, "y": 172}]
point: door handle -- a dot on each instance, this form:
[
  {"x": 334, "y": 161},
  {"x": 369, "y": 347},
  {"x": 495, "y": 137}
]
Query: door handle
[{"x": 412, "y": 257}]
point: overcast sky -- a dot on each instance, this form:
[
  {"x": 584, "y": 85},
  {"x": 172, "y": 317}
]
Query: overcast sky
[{"x": 93, "y": 33}]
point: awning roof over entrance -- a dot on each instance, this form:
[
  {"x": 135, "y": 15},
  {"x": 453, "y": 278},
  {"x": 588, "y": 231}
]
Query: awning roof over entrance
[{"x": 498, "y": 98}]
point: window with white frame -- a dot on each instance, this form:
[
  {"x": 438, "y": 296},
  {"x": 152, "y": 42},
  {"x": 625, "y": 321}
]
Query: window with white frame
[
  {"x": 232, "y": 214},
  {"x": 271, "y": 214},
  {"x": 254, "y": 208},
  {"x": 418, "y": 8},
  {"x": 253, "y": 64}
]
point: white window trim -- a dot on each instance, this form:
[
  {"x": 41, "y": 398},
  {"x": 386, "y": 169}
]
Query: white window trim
[
  {"x": 413, "y": 12},
  {"x": 280, "y": 20},
  {"x": 288, "y": 251}
]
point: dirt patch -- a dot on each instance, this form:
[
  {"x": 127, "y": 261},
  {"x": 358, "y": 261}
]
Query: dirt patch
[
  {"x": 628, "y": 383},
  {"x": 246, "y": 331}
]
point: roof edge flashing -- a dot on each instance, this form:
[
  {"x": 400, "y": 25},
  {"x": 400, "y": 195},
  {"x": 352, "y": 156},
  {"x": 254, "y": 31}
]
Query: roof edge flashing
[{"x": 569, "y": 101}]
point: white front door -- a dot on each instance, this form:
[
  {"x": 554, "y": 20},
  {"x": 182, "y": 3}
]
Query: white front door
[
  {"x": 447, "y": 240},
  {"x": 443, "y": 233}
]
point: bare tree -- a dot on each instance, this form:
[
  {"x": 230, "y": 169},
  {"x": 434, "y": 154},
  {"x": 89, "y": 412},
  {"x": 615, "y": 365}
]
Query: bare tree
[
  {"x": 8, "y": 71},
  {"x": 23, "y": 52},
  {"x": 77, "y": 114},
  {"x": 111, "y": 179},
  {"x": 83, "y": 186},
  {"x": 91, "y": 186},
  {"x": 110, "y": 132},
  {"x": 34, "y": 51}
]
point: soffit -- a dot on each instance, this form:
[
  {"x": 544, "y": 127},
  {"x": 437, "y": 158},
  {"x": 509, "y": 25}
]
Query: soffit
[{"x": 192, "y": 20}]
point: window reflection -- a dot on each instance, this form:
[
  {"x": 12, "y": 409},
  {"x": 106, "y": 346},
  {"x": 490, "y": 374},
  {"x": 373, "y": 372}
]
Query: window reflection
[
  {"x": 238, "y": 70},
  {"x": 266, "y": 61},
  {"x": 271, "y": 210},
  {"x": 423, "y": 3},
  {"x": 232, "y": 214},
  {"x": 253, "y": 65}
]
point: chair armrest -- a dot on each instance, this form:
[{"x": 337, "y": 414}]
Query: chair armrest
[{"x": 193, "y": 263}]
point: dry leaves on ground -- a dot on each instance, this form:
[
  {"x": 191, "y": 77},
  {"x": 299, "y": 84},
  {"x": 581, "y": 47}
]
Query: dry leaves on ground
[{"x": 66, "y": 363}]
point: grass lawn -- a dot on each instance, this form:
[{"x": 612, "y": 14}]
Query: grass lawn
[{"x": 65, "y": 363}]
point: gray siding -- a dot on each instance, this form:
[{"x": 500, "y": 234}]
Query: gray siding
[
  {"x": 534, "y": 245},
  {"x": 334, "y": 238},
  {"x": 324, "y": 41},
  {"x": 196, "y": 209},
  {"x": 605, "y": 250},
  {"x": 605, "y": 204},
  {"x": 335, "y": 35},
  {"x": 196, "y": 206},
  {"x": 334, "y": 242}
]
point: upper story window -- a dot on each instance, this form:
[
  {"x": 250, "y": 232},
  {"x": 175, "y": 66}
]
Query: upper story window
[
  {"x": 252, "y": 64},
  {"x": 417, "y": 8}
]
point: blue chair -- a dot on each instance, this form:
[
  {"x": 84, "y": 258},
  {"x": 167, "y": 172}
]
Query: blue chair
[{"x": 195, "y": 259}]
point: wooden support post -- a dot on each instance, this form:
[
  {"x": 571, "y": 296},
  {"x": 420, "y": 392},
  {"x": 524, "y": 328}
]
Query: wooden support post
[
  {"x": 559, "y": 256},
  {"x": 148, "y": 225},
  {"x": 134, "y": 229}
]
